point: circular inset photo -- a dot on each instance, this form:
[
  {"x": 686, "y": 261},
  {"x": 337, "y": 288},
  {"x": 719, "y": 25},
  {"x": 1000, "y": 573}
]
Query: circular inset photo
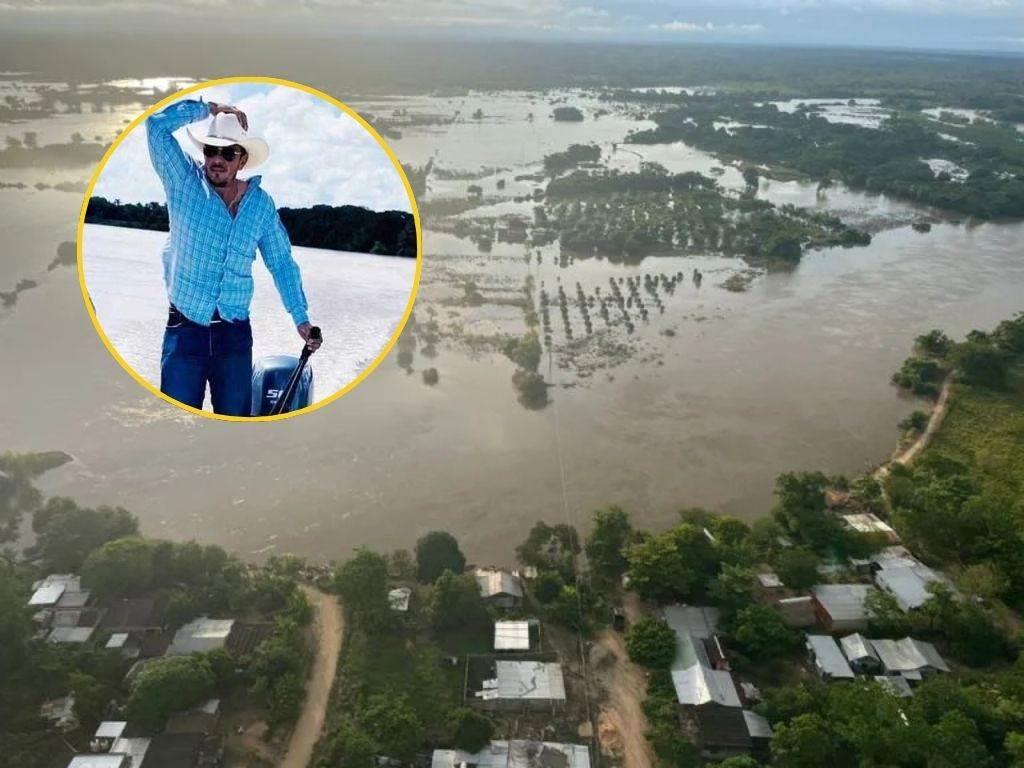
[{"x": 249, "y": 248}]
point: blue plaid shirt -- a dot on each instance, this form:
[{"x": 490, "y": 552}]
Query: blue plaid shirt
[{"x": 209, "y": 253}]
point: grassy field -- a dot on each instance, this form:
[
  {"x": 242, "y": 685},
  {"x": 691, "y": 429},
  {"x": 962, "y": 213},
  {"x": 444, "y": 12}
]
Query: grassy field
[{"x": 984, "y": 430}]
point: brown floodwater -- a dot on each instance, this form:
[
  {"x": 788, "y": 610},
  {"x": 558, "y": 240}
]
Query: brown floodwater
[{"x": 790, "y": 374}]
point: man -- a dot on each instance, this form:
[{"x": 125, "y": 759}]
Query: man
[{"x": 217, "y": 222}]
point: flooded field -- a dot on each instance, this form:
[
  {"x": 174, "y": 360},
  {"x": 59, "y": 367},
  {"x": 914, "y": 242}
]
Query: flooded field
[{"x": 700, "y": 402}]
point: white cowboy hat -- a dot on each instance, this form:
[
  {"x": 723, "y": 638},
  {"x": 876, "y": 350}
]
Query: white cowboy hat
[{"x": 223, "y": 130}]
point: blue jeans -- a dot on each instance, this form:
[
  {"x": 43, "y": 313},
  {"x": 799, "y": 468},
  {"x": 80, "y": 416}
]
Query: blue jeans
[{"x": 219, "y": 353}]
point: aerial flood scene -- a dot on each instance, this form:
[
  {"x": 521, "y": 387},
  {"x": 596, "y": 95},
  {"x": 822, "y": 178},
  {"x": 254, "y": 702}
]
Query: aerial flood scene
[{"x": 707, "y": 340}]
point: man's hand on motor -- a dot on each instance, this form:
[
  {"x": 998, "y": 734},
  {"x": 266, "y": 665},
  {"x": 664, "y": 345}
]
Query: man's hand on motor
[
  {"x": 304, "y": 329},
  {"x": 216, "y": 109}
]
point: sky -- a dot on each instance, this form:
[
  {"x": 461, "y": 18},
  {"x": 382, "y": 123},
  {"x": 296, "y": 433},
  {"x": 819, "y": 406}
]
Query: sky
[
  {"x": 977, "y": 25},
  {"x": 318, "y": 154}
]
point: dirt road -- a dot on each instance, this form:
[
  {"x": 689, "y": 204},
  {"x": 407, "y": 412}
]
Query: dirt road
[
  {"x": 622, "y": 723},
  {"x": 328, "y": 626},
  {"x": 911, "y": 452}
]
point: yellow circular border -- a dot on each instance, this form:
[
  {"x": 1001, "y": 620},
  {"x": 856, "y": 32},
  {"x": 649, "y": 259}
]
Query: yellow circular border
[{"x": 313, "y": 92}]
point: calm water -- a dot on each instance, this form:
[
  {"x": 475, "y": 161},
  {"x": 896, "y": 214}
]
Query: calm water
[{"x": 790, "y": 374}]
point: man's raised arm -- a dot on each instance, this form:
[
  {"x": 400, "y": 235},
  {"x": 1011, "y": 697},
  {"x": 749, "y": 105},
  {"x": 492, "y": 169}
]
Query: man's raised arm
[{"x": 169, "y": 159}]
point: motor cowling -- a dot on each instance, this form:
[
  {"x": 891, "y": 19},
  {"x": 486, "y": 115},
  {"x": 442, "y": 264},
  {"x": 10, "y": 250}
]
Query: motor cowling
[{"x": 270, "y": 376}]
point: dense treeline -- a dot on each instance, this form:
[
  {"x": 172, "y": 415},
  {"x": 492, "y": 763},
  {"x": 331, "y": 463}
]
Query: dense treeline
[
  {"x": 886, "y": 159},
  {"x": 618, "y": 213},
  {"x": 338, "y": 228}
]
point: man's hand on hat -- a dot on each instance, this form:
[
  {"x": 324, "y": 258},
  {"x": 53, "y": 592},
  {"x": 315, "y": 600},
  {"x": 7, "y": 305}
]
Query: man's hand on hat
[{"x": 216, "y": 109}]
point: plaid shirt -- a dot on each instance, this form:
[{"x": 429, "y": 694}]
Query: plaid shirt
[{"x": 209, "y": 253}]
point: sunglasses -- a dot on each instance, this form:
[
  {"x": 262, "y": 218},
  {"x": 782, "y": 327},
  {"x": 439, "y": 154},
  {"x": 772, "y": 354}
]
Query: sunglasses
[{"x": 228, "y": 153}]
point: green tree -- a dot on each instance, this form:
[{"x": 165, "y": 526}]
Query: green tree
[
  {"x": 674, "y": 749},
  {"x": 606, "y": 545},
  {"x": 120, "y": 567},
  {"x": 733, "y": 589},
  {"x": 885, "y": 617},
  {"x": 15, "y": 625},
  {"x": 67, "y": 533},
  {"x": 470, "y": 730},
  {"x": 456, "y": 602},
  {"x": 674, "y": 565},
  {"x": 804, "y": 742},
  {"x": 551, "y": 548},
  {"x": 362, "y": 583},
  {"x": 760, "y": 633},
  {"x": 401, "y": 565},
  {"x": 393, "y": 724},
  {"x": 954, "y": 742},
  {"x": 349, "y": 747},
  {"x": 547, "y": 586},
  {"x": 167, "y": 685},
  {"x": 91, "y": 698},
  {"x": 437, "y": 552},
  {"x": 981, "y": 363},
  {"x": 651, "y": 642},
  {"x": 801, "y": 508},
  {"x": 739, "y": 761},
  {"x": 798, "y": 568}
]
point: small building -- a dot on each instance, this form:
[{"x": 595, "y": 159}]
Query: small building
[
  {"x": 201, "y": 636},
  {"x": 828, "y": 659},
  {"x": 908, "y": 583},
  {"x": 861, "y": 655},
  {"x": 909, "y": 658},
  {"x": 399, "y": 599},
  {"x": 769, "y": 580},
  {"x": 70, "y": 635},
  {"x": 109, "y": 760},
  {"x": 515, "y": 754},
  {"x": 499, "y": 588},
  {"x": 106, "y": 734},
  {"x": 512, "y": 635},
  {"x": 870, "y": 523},
  {"x": 798, "y": 611},
  {"x": 523, "y": 685},
  {"x": 135, "y": 747},
  {"x": 47, "y": 592},
  {"x": 841, "y": 607}
]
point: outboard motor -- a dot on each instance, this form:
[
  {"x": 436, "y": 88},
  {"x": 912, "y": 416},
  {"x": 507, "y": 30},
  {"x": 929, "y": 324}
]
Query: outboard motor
[{"x": 282, "y": 383}]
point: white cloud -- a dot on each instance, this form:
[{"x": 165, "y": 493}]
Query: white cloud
[
  {"x": 318, "y": 154},
  {"x": 708, "y": 27}
]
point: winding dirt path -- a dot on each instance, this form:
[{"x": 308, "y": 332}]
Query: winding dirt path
[
  {"x": 623, "y": 714},
  {"x": 912, "y": 451},
  {"x": 328, "y": 628}
]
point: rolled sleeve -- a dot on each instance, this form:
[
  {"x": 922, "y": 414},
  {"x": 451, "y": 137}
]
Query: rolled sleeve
[
  {"x": 276, "y": 249},
  {"x": 169, "y": 160}
]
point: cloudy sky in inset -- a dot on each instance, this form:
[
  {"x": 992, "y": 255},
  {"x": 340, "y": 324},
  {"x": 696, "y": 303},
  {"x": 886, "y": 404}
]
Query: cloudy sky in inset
[
  {"x": 981, "y": 25},
  {"x": 318, "y": 154}
]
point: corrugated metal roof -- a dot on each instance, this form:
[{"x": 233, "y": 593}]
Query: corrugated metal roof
[
  {"x": 909, "y": 583},
  {"x": 843, "y": 602},
  {"x": 856, "y": 647},
  {"x": 700, "y": 684},
  {"x": 757, "y": 726},
  {"x": 694, "y": 679},
  {"x": 908, "y": 656},
  {"x": 828, "y": 658},
  {"x": 398, "y": 599},
  {"x": 100, "y": 761},
  {"x": 117, "y": 640},
  {"x": 200, "y": 636},
  {"x": 529, "y": 680},
  {"x": 511, "y": 635},
  {"x": 70, "y": 634},
  {"x": 494, "y": 582},
  {"x": 868, "y": 523},
  {"x": 897, "y": 686},
  {"x": 516, "y": 754},
  {"x": 110, "y": 729},
  {"x": 135, "y": 748}
]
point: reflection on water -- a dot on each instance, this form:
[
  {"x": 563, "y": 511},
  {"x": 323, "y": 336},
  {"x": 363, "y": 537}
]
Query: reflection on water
[{"x": 720, "y": 392}]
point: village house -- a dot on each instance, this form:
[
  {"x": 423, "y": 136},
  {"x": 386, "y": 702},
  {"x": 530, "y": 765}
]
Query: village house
[
  {"x": 908, "y": 658},
  {"x": 499, "y": 588},
  {"x": 517, "y": 685},
  {"x": 515, "y": 754},
  {"x": 513, "y": 635},
  {"x": 841, "y": 607},
  {"x": 861, "y": 654},
  {"x": 828, "y": 658}
]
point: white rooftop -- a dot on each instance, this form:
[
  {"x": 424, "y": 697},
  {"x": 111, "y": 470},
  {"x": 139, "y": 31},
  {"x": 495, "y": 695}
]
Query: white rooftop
[
  {"x": 100, "y": 761},
  {"x": 843, "y": 602},
  {"x": 527, "y": 680},
  {"x": 71, "y": 634},
  {"x": 908, "y": 583},
  {"x": 908, "y": 656},
  {"x": 516, "y": 754},
  {"x": 702, "y": 685},
  {"x": 110, "y": 729},
  {"x": 494, "y": 582},
  {"x": 398, "y": 599},
  {"x": 117, "y": 640},
  {"x": 200, "y": 636},
  {"x": 135, "y": 748},
  {"x": 511, "y": 635},
  {"x": 828, "y": 658},
  {"x": 868, "y": 523}
]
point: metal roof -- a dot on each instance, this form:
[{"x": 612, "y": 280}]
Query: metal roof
[
  {"x": 110, "y": 729},
  {"x": 842, "y": 602},
  {"x": 135, "y": 748},
  {"x": 856, "y": 647},
  {"x": 70, "y": 634},
  {"x": 494, "y": 582},
  {"x": 769, "y": 580},
  {"x": 398, "y": 599},
  {"x": 757, "y": 726},
  {"x": 523, "y": 680},
  {"x": 828, "y": 658},
  {"x": 694, "y": 679},
  {"x": 868, "y": 523},
  {"x": 516, "y": 754},
  {"x": 895, "y": 685},
  {"x": 74, "y": 598},
  {"x": 49, "y": 590},
  {"x": 117, "y": 640},
  {"x": 908, "y": 656},
  {"x": 909, "y": 583},
  {"x": 511, "y": 635},
  {"x": 109, "y": 760},
  {"x": 199, "y": 636},
  {"x": 702, "y": 685}
]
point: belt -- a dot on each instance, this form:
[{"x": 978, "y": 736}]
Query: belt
[{"x": 176, "y": 317}]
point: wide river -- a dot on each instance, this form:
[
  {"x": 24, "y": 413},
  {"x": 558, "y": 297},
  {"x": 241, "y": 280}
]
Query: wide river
[{"x": 791, "y": 374}]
